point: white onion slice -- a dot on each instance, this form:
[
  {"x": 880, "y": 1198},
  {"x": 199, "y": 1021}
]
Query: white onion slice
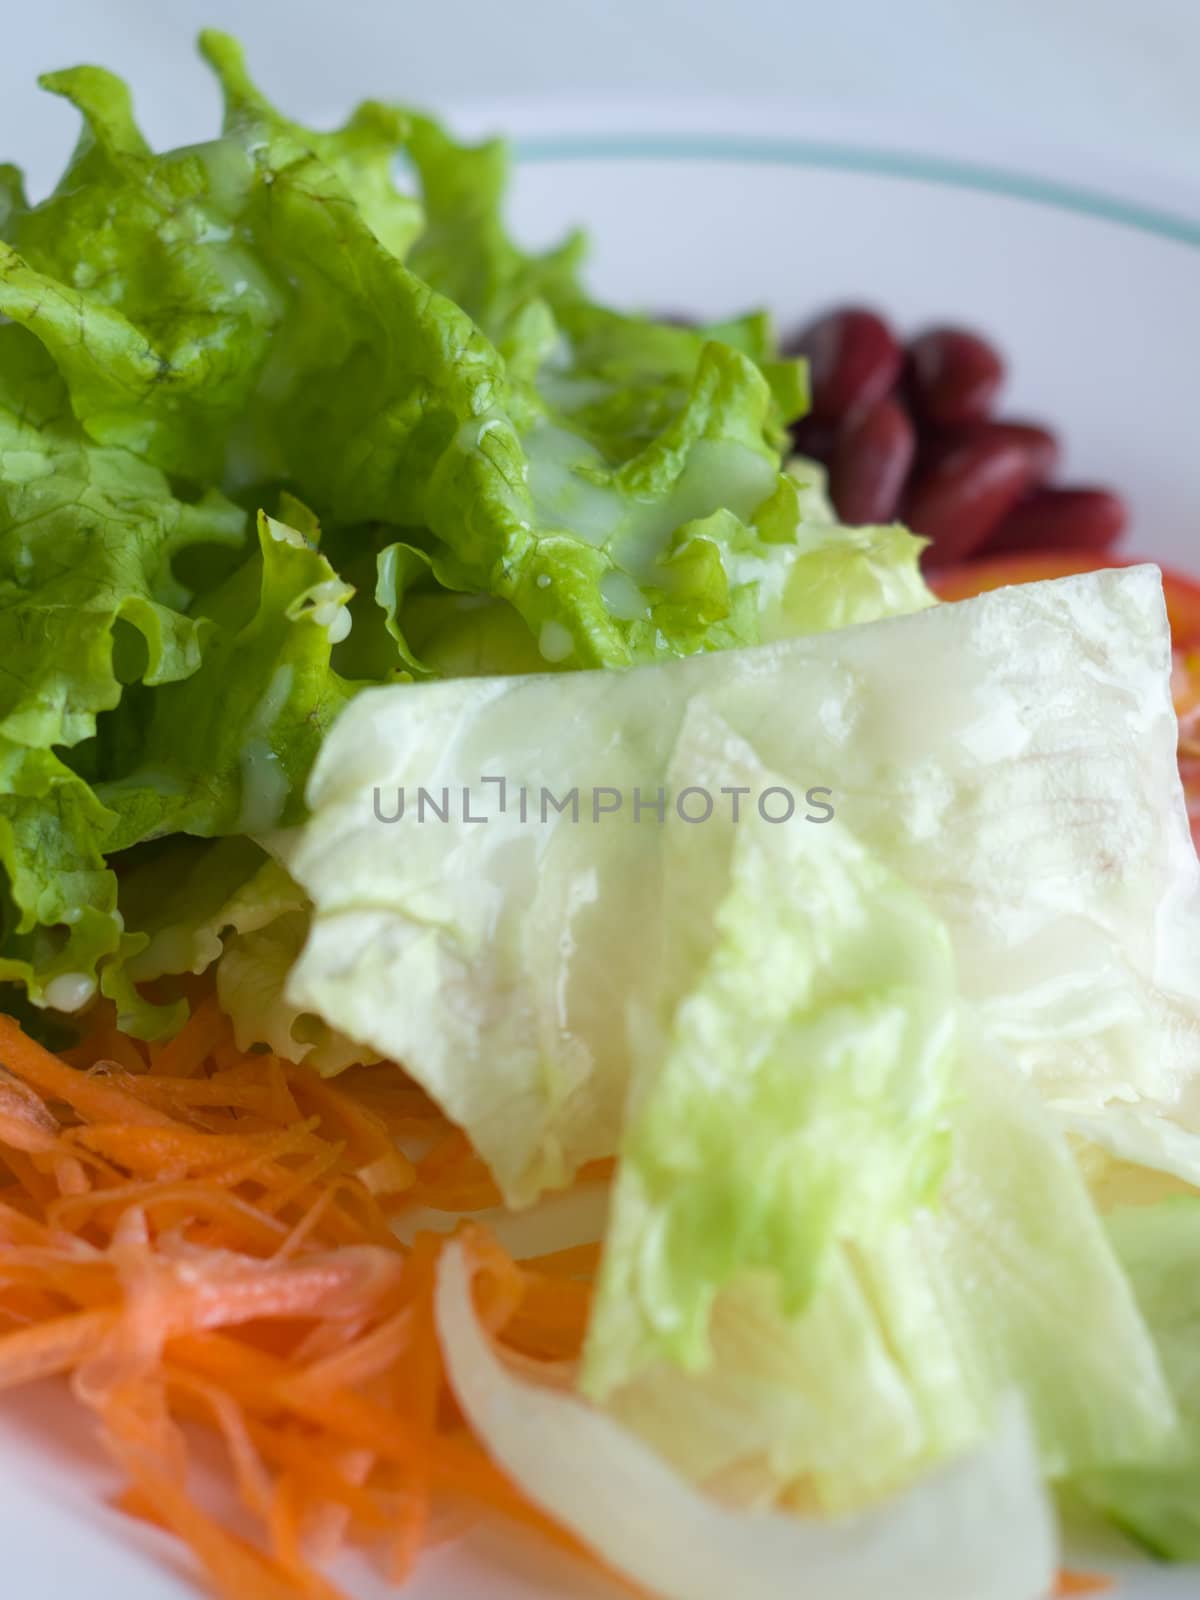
[{"x": 981, "y": 1528}]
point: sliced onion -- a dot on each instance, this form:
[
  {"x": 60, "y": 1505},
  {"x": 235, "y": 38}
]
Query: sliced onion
[{"x": 979, "y": 1529}]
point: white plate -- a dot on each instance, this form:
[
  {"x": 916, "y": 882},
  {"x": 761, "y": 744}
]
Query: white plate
[{"x": 1091, "y": 294}]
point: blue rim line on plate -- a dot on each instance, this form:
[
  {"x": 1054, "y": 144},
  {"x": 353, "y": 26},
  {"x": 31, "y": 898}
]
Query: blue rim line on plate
[{"x": 774, "y": 151}]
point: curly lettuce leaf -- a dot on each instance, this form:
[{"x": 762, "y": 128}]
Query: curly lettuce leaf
[
  {"x": 227, "y": 751},
  {"x": 465, "y": 250},
  {"x": 61, "y": 911},
  {"x": 240, "y": 313},
  {"x": 90, "y": 602},
  {"x": 143, "y": 275},
  {"x": 89, "y": 535},
  {"x": 135, "y": 277},
  {"x": 512, "y": 477},
  {"x": 229, "y": 907},
  {"x": 184, "y": 894},
  {"x": 252, "y": 988}
]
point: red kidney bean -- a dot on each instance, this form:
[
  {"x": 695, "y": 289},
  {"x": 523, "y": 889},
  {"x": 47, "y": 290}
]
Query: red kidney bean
[
  {"x": 960, "y": 501},
  {"x": 853, "y": 361},
  {"x": 870, "y": 464},
  {"x": 812, "y": 437},
  {"x": 1039, "y": 443},
  {"x": 953, "y": 375},
  {"x": 1061, "y": 519}
]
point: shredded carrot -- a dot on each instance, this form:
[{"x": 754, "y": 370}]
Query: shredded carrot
[
  {"x": 95, "y": 1096},
  {"x": 205, "y": 1031},
  {"x": 199, "y": 1238},
  {"x": 577, "y": 1261},
  {"x": 1073, "y": 1583},
  {"x": 452, "y": 1177},
  {"x": 51, "y": 1347}
]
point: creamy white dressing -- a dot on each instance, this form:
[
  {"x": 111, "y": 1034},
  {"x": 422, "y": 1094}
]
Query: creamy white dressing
[
  {"x": 264, "y": 788},
  {"x": 718, "y": 474},
  {"x": 283, "y": 534},
  {"x": 554, "y": 642},
  {"x": 339, "y": 625},
  {"x": 561, "y": 496},
  {"x": 329, "y": 608},
  {"x": 621, "y": 596},
  {"x": 70, "y": 991},
  {"x": 564, "y": 391},
  {"x": 264, "y": 781}
]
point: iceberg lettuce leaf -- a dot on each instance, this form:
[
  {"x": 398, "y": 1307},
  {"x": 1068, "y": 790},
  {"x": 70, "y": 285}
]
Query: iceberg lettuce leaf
[
  {"x": 1159, "y": 1503},
  {"x": 983, "y": 1525},
  {"x": 1005, "y": 1281},
  {"x": 1011, "y": 759}
]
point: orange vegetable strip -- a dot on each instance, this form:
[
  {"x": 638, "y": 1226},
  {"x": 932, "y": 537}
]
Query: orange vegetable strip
[
  {"x": 361, "y": 1361},
  {"x": 175, "y": 1151},
  {"x": 261, "y": 1383},
  {"x": 88, "y": 1094},
  {"x": 283, "y": 1526},
  {"x": 1072, "y": 1583},
  {"x": 461, "y": 1197},
  {"x": 71, "y": 1176},
  {"x": 223, "y": 1092},
  {"x": 418, "y": 1400},
  {"x": 227, "y": 1056},
  {"x": 499, "y": 1284},
  {"x": 295, "y": 1183},
  {"x": 20, "y": 1132},
  {"x": 1079, "y": 1583},
  {"x": 577, "y": 1260},
  {"x": 133, "y": 1503},
  {"x": 238, "y": 1571},
  {"x": 364, "y": 1134},
  {"x": 193, "y": 1201},
  {"x": 354, "y": 1215},
  {"x": 51, "y": 1347},
  {"x": 18, "y": 1228},
  {"x": 38, "y": 1186},
  {"x": 186, "y": 1053},
  {"x": 108, "y": 1046},
  {"x": 25, "y": 1122},
  {"x": 319, "y": 1286},
  {"x": 253, "y": 1480},
  {"x": 84, "y": 1281},
  {"x": 307, "y": 1226},
  {"x": 600, "y": 1171},
  {"x": 330, "y": 1476},
  {"x": 329, "y": 1521}
]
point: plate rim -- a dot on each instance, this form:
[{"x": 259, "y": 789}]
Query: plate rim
[{"x": 543, "y": 130}]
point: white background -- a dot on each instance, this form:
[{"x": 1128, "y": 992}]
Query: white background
[{"x": 1116, "y": 80}]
